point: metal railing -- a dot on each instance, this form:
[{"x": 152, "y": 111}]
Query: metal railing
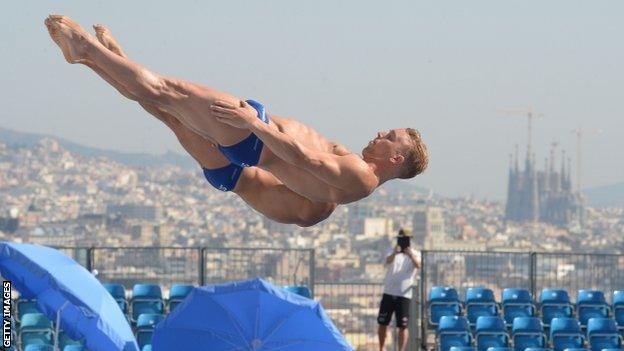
[
  {"x": 196, "y": 265},
  {"x": 280, "y": 266},
  {"x": 353, "y": 307}
]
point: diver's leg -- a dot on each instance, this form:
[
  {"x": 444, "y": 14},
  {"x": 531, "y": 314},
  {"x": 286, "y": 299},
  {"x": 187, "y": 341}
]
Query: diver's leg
[{"x": 188, "y": 102}]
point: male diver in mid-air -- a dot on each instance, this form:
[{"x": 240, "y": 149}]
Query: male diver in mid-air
[{"x": 280, "y": 167}]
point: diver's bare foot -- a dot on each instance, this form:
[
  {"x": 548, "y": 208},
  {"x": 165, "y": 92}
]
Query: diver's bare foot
[
  {"x": 106, "y": 38},
  {"x": 70, "y": 37}
]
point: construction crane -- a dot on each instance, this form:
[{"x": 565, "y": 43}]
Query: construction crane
[
  {"x": 529, "y": 114},
  {"x": 579, "y": 137}
]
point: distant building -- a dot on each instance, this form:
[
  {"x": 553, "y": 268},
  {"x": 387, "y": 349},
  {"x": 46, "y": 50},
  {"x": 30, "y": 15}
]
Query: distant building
[
  {"x": 427, "y": 225},
  {"x": 378, "y": 226},
  {"x": 357, "y": 215},
  {"x": 542, "y": 196},
  {"x": 133, "y": 211}
]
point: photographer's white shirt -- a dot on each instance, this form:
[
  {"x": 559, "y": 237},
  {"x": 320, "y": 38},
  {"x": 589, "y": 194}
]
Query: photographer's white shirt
[{"x": 400, "y": 275}]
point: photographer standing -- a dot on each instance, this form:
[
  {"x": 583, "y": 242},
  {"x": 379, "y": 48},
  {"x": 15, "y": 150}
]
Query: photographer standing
[{"x": 402, "y": 264}]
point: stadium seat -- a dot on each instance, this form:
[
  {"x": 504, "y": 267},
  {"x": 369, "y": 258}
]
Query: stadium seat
[
  {"x": 146, "y": 299},
  {"x": 145, "y": 328},
  {"x": 177, "y": 294},
  {"x": 38, "y": 347},
  {"x": 591, "y": 304},
  {"x": 491, "y": 332},
  {"x": 602, "y": 333},
  {"x": 453, "y": 331},
  {"x": 118, "y": 292},
  {"x": 618, "y": 307},
  {"x": 300, "y": 290},
  {"x": 74, "y": 348},
  {"x": 555, "y": 303},
  {"x": 443, "y": 301},
  {"x": 528, "y": 332},
  {"x": 65, "y": 340},
  {"x": 565, "y": 333},
  {"x": 575, "y": 349},
  {"x": 480, "y": 302},
  {"x": 537, "y": 349},
  {"x": 500, "y": 349},
  {"x": 463, "y": 348},
  {"x": 516, "y": 303},
  {"x": 35, "y": 329},
  {"x": 26, "y": 306}
]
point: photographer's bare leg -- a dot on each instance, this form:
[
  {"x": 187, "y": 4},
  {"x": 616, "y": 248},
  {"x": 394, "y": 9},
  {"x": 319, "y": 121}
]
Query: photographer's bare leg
[
  {"x": 258, "y": 188},
  {"x": 403, "y": 338},
  {"x": 187, "y": 102},
  {"x": 382, "y": 333}
]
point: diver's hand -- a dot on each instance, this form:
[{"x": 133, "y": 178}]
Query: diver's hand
[{"x": 241, "y": 116}]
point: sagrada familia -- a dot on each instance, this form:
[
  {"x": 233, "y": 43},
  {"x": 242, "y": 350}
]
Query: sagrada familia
[{"x": 543, "y": 195}]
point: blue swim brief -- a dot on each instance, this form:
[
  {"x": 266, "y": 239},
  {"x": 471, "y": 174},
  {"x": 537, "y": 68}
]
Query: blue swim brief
[
  {"x": 224, "y": 178},
  {"x": 244, "y": 154},
  {"x": 247, "y": 152}
]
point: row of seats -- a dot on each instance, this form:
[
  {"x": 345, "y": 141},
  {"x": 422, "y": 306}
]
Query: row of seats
[
  {"x": 553, "y": 303},
  {"x": 527, "y": 332}
]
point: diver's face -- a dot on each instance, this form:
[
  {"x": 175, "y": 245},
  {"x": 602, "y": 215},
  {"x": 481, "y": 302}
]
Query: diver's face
[{"x": 387, "y": 144}]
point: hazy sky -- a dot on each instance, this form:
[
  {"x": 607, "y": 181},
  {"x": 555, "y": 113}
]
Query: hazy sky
[{"x": 349, "y": 69}]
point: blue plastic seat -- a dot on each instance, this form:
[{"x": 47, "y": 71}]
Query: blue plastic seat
[
  {"x": 602, "y": 333},
  {"x": 575, "y": 349},
  {"x": 463, "y": 348},
  {"x": 35, "y": 329},
  {"x": 480, "y": 302},
  {"x": 26, "y": 307},
  {"x": 65, "y": 340},
  {"x": 38, "y": 347},
  {"x": 300, "y": 290},
  {"x": 537, "y": 349},
  {"x": 555, "y": 303},
  {"x": 146, "y": 299},
  {"x": 566, "y": 333},
  {"x": 500, "y": 349},
  {"x": 177, "y": 294},
  {"x": 145, "y": 328},
  {"x": 528, "y": 332},
  {"x": 516, "y": 303},
  {"x": 118, "y": 292},
  {"x": 453, "y": 331},
  {"x": 591, "y": 304},
  {"x": 74, "y": 348},
  {"x": 491, "y": 332},
  {"x": 443, "y": 301},
  {"x": 618, "y": 307}
]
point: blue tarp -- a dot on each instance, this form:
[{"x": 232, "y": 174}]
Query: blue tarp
[
  {"x": 248, "y": 315},
  {"x": 58, "y": 282}
]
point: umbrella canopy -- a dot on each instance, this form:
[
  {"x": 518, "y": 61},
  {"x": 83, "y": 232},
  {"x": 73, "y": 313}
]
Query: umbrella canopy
[
  {"x": 248, "y": 315},
  {"x": 64, "y": 288}
]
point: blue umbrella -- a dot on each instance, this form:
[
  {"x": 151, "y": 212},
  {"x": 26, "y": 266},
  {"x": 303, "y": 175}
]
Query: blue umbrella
[
  {"x": 248, "y": 315},
  {"x": 69, "y": 294}
]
